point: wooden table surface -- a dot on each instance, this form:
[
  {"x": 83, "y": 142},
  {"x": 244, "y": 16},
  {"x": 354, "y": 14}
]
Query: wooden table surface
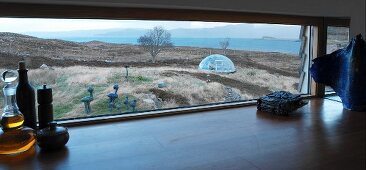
[{"x": 321, "y": 135}]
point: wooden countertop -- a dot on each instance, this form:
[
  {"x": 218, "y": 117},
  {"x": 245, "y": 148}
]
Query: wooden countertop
[{"x": 320, "y": 135}]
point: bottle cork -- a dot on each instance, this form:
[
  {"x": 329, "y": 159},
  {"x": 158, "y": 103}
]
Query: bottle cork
[{"x": 21, "y": 65}]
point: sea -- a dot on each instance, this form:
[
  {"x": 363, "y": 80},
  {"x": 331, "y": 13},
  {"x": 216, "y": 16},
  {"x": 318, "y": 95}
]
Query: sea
[{"x": 266, "y": 45}]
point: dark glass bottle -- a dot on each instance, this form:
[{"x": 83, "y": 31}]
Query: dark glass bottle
[{"x": 26, "y": 97}]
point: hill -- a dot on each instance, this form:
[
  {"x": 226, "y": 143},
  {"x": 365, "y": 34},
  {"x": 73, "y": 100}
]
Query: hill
[
  {"x": 238, "y": 30},
  {"x": 54, "y": 52}
]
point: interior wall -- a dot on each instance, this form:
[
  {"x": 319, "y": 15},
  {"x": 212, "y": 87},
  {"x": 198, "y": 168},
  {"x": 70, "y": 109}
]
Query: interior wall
[{"x": 354, "y": 9}]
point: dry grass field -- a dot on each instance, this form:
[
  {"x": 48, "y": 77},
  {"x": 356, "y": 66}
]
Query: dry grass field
[{"x": 184, "y": 87}]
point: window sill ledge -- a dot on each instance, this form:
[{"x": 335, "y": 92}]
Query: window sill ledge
[{"x": 150, "y": 114}]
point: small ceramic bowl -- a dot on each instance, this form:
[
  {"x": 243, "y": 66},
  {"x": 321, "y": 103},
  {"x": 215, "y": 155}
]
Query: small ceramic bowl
[{"x": 53, "y": 137}]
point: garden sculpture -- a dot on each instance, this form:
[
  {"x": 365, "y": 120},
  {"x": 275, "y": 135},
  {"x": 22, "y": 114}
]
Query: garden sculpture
[
  {"x": 133, "y": 105},
  {"x": 126, "y": 76},
  {"x": 87, "y": 99},
  {"x": 112, "y": 97},
  {"x": 126, "y": 102}
]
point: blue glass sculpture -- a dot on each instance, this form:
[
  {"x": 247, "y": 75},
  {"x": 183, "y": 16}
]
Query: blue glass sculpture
[{"x": 345, "y": 71}]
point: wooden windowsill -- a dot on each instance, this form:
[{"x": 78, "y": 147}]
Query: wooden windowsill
[
  {"x": 317, "y": 136},
  {"x": 153, "y": 113}
]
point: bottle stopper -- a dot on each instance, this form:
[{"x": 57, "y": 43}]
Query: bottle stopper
[{"x": 21, "y": 65}]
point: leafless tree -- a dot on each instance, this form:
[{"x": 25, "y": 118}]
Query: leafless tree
[
  {"x": 224, "y": 44},
  {"x": 155, "y": 40}
]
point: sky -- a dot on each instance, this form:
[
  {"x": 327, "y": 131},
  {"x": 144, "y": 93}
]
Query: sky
[
  {"x": 56, "y": 28},
  {"x": 21, "y": 25}
]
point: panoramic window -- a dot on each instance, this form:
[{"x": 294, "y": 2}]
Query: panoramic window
[
  {"x": 337, "y": 38},
  {"x": 127, "y": 66}
]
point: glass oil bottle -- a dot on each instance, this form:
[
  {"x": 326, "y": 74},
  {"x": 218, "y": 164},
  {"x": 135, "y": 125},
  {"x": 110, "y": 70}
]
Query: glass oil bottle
[{"x": 14, "y": 137}]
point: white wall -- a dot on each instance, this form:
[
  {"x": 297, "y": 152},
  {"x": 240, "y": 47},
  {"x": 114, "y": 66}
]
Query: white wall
[{"x": 333, "y": 8}]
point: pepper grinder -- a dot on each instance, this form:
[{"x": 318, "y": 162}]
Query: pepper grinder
[
  {"x": 45, "y": 107},
  {"x": 50, "y": 136}
]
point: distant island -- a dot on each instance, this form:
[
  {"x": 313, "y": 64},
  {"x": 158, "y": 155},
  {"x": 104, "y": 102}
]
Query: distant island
[{"x": 269, "y": 38}]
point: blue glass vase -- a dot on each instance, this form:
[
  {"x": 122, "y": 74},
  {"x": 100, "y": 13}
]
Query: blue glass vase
[{"x": 345, "y": 71}]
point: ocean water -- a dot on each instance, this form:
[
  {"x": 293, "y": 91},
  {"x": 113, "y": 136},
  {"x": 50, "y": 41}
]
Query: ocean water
[{"x": 266, "y": 45}]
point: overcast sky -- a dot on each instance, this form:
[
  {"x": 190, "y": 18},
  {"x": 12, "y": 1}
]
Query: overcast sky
[{"x": 22, "y": 25}]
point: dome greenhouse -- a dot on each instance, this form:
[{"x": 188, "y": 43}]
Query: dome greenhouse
[{"x": 217, "y": 63}]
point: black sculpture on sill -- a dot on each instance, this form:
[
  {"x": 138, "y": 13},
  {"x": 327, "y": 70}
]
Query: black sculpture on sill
[
  {"x": 280, "y": 103},
  {"x": 345, "y": 71},
  {"x": 87, "y": 99},
  {"x": 112, "y": 97}
]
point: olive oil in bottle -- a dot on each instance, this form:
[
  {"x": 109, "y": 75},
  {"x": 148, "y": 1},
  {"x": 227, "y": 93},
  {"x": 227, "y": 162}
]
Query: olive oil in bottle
[
  {"x": 14, "y": 138},
  {"x": 9, "y": 122}
]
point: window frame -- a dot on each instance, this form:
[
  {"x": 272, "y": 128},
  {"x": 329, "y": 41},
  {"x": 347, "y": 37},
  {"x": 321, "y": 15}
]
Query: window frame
[{"x": 318, "y": 38}]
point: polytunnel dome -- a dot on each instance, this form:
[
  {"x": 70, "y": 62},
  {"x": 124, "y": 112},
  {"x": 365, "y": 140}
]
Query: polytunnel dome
[{"x": 217, "y": 63}]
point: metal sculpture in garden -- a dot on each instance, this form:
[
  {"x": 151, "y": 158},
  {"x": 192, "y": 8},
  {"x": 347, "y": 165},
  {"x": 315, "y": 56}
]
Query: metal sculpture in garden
[
  {"x": 127, "y": 104},
  {"x": 112, "y": 97},
  {"x": 87, "y": 99},
  {"x": 133, "y": 104}
]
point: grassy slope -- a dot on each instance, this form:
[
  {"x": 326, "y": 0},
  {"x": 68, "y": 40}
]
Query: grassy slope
[{"x": 69, "y": 85}]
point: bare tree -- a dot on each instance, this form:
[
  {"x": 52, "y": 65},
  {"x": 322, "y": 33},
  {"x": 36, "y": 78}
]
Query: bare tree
[
  {"x": 155, "y": 40},
  {"x": 224, "y": 44}
]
